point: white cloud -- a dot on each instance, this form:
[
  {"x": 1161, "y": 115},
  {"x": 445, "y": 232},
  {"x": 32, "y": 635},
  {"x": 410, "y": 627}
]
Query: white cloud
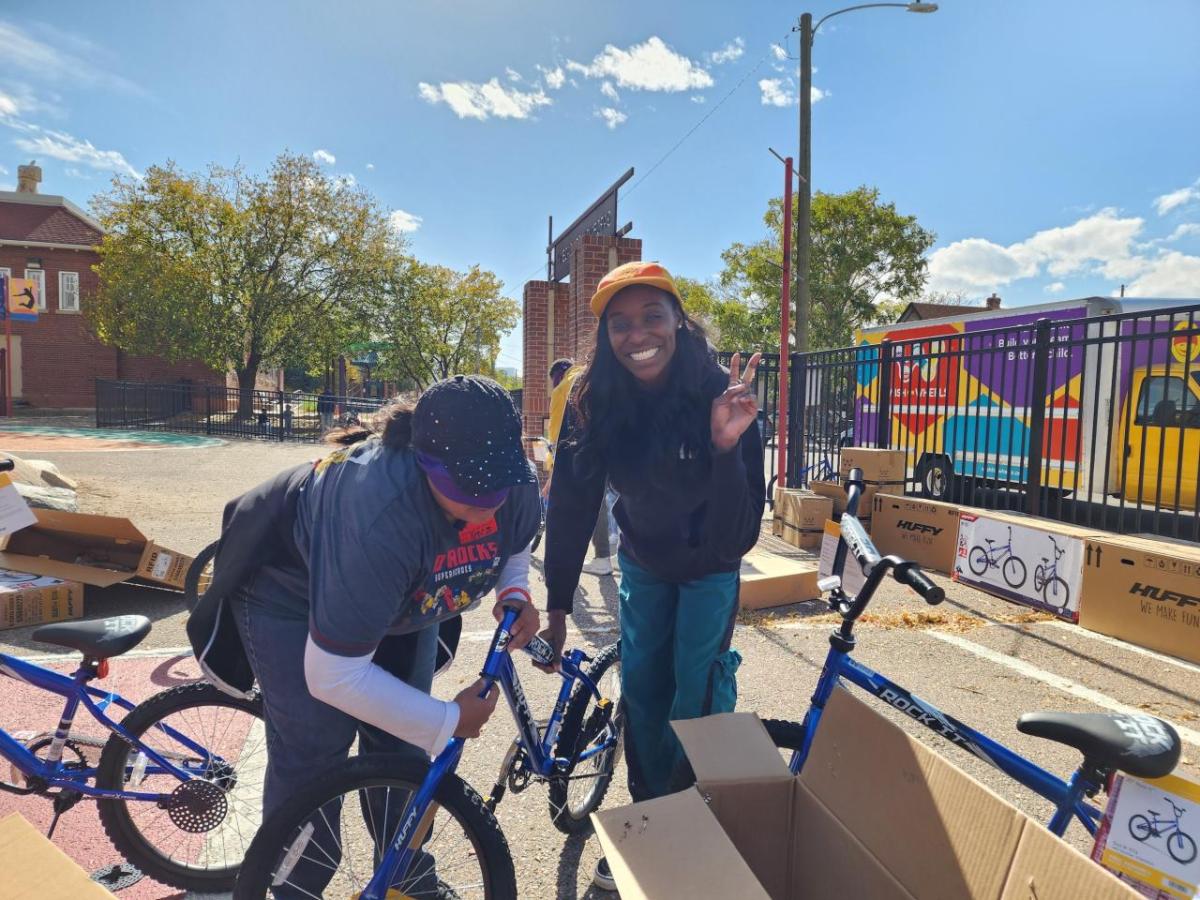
[
  {"x": 555, "y": 78},
  {"x": 346, "y": 180},
  {"x": 8, "y": 105},
  {"x": 609, "y": 91},
  {"x": 1055, "y": 287},
  {"x": 73, "y": 172},
  {"x": 649, "y": 66},
  {"x": 66, "y": 58},
  {"x": 469, "y": 100},
  {"x": 1175, "y": 199},
  {"x": 774, "y": 93},
  {"x": 370, "y": 167},
  {"x": 779, "y": 53},
  {"x": 60, "y": 145},
  {"x": 4, "y": 171},
  {"x": 1185, "y": 230},
  {"x": 699, "y": 98},
  {"x": 731, "y": 52},
  {"x": 513, "y": 75},
  {"x": 975, "y": 263},
  {"x": 580, "y": 68},
  {"x": 324, "y": 157},
  {"x": 404, "y": 222},
  {"x": 1173, "y": 274},
  {"x": 612, "y": 117}
]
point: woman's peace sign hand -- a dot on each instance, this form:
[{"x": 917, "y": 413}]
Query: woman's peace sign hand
[{"x": 734, "y": 410}]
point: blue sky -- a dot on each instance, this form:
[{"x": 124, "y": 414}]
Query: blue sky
[{"x": 1052, "y": 147}]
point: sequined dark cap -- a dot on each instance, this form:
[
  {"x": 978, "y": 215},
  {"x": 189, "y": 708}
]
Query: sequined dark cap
[{"x": 469, "y": 424}]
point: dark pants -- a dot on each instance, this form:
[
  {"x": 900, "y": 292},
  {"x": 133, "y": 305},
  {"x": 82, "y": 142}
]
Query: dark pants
[{"x": 306, "y": 737}]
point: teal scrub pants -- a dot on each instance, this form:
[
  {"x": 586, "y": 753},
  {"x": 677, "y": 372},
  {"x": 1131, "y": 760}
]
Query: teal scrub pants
[{"x": 675, "y": 664}]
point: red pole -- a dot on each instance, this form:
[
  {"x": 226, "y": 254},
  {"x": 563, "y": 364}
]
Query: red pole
[
  {"x": 8, "y": 385},
  {"x": 785, "y": 368}
]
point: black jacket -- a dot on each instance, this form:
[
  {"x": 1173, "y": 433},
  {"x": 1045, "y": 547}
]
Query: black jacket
[{"x": 675, "y": 533}]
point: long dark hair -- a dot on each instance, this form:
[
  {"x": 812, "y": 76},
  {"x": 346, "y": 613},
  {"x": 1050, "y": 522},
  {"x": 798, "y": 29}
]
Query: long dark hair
[
  {"x": 392, "y": 424},
  {"x": 622, "y": 428}
]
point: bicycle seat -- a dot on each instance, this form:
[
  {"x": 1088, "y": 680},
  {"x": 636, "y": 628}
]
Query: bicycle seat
[
  {"x": 1139, "y": 744},
  {"x": 988, "y": 541},
  {"x": 99, "y": 638}
]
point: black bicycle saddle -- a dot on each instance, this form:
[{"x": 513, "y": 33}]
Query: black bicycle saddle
[{"x": 1139, "y": 744}]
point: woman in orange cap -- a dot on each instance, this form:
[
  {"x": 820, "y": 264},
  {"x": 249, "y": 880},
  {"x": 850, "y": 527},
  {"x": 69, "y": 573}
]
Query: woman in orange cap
[{"x": 676, "y": 436}]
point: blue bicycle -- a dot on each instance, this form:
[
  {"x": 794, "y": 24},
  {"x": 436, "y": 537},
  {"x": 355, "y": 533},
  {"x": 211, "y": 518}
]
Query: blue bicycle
[
  {"x": 1055, "y": 590},
  {"x": 1011, "y": 567},
  {"x": 383, "y": 826},
  {"x": 1139, "y": 744},
  {"x": 179, "y": 779},
  {"x": 1180, "y": 844}
]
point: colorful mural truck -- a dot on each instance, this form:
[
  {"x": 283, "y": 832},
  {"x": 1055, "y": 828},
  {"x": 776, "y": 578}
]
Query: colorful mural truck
[{"x": 1122, "y": 403}]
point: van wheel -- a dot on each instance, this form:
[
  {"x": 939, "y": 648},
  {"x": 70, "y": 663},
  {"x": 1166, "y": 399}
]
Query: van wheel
[{"x": 935, "y": 475}]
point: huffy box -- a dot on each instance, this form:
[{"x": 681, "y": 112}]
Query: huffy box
[
  {"x": 874, "y": 814},
  {"x": 800, "y": 516},
  {"x": 1149, "y": 835},
  {"x": 1025, "y": 559},
  {"x": 769, "y": 580},
  {"x": 35, "y": 869},
  {"x": 97, "y": 550},
  {"x": 28, "y": 599},
  {"x": 1144, "y": 591},
  {"x": 922, "y": 531}
]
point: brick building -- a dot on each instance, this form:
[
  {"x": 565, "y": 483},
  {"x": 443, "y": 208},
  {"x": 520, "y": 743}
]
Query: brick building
[
  {"x": 558, "y": 319},
  {"x": 57, "y": 359}
]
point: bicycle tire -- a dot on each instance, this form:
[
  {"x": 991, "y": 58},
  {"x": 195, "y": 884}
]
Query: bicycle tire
[
  {"x": 1062, "y": 590},
  {"x": 1187, "y": 848},
  {"x": 199, "y": 576},
  {"x": 115, "y": 815},
  {"x": 363, "y": 773},
  {"x": 1039, "y": 578},
  {"x": 579, "y": 821},
  {"x": 980, "y": 557},
  {"x": 1139, "y": 823},
  {"x": 1017, "y": 562}
]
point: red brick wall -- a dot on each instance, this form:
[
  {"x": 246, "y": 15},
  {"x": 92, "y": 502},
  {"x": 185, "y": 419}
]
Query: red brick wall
[
  {"x": 535, "y": 399},
  {"x": 60, "y": 356}
]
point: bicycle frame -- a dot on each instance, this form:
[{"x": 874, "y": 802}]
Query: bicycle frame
[
  {"x": 75, "y": 688},
  {"x": 498, "y": 667},
  {"x": 1067, "y": 796}
]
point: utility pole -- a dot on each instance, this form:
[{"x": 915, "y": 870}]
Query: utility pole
[{"x": 804, "y": 213}]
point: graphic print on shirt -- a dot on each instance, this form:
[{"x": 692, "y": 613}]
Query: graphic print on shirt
[{"x": 460, "y": 574}]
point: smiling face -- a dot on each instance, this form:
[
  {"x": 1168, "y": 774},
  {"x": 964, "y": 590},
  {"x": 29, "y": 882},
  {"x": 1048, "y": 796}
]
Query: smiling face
[{"x": 642, "y": 324}]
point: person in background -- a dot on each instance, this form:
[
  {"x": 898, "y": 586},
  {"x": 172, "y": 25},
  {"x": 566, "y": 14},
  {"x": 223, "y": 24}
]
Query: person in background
[{"x": 676, "y": 436}]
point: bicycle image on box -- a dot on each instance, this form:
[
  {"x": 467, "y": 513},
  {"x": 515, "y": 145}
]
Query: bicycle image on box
[
  {"x": 387, "y": 827},
  {"x": 1046, "y": 579},
  {"x": 1011, "y": 566},
  {"x": 1180, "y": 845},
  {"x": 1138, "y": 744}
]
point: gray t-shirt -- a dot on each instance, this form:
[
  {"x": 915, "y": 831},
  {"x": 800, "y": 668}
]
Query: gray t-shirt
[{"x": 382, "y": 558}]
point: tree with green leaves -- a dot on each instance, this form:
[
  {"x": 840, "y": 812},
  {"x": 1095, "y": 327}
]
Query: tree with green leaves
[
  {"x": 439, "y": 322},
  {"x": 239, "y": 271},
  {"x": 864, "y": 253}
]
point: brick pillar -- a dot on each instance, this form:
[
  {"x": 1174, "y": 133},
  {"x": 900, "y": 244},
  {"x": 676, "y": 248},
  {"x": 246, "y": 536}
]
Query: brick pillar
[
  {"x": 535, "y": 398},
  {"x": 592, "y": 258}
]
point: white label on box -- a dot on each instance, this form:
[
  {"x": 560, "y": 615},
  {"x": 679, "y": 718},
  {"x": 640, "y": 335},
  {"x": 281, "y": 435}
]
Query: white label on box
[
  {"x": 15, "y": 513},
  {"x": 17, "y": 581},
  {"x": 1024, "y": 563},
  {"x": 162, "y": 564},
  {"x": 852, "y": 574},
  {"x": 1150, "y": 834}
]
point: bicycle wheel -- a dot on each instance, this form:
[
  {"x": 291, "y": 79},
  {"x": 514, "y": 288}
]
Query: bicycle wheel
[
  {"x": 1039, "y": 578},
  {"x": 1056, "y": 592},
  {"x": 1181, "y": 847},
  {"x": 585, "y": 724},
  {"x": 978, "y": 560},
  {"x": 322, "y": 843},
  {"x": 197, "y": 839},
  {"x": 1014, "y": 572},
  {"x": 1139, "y": 827},
  {"x": 199, "y": 576}
]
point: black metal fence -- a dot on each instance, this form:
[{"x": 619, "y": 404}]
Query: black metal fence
[
  {"x": 766, "y": 389},
  {"x": 1089, "y": 420},
  {"x": 201, "y": 409}
]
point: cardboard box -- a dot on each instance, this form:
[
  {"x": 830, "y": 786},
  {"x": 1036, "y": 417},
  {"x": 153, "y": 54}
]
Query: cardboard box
[
  {"x": 769, "y": 580},
  {"x": 923, "y": 531},
  {"x": 28, "y": 599},
  {"x": 1144, "y": 591},
  {"x": 96, "y": 550},
  {"x": 35, "y": 869},
  {"x": 837, "y": 493},
  {"x": 1127, "y": 844},
  {"x": 1042, "y": 568},
  {"x": 800, "y": 517},
  {"x": 874, "y": 814},
  {"x": 885, "y": 469}
]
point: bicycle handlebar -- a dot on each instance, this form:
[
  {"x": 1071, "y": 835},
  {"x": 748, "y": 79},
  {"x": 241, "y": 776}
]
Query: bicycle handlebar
[{"x": 7, "y": 465}]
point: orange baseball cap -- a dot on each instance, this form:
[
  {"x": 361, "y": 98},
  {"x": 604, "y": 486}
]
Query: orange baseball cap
[{"x": 650, "y": 273}]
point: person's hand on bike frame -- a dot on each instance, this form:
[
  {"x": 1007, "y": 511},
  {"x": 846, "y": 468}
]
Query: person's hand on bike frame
[
  {"x": 474, "y": 710},
  {"x": 526, "y": 626},
  {"x": 556, "y": 634}
]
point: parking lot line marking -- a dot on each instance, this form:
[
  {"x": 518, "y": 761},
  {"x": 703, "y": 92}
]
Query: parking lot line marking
[
  {"x": 1066, "y": 685},
  {"x": 50, "y": 658},
  {"x": 1125, "y": 645}
]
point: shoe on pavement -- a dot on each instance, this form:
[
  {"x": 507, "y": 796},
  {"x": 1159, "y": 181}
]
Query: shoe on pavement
[
  {"x": 599, "y": 566},
  {"x": 602, "y": 877}
]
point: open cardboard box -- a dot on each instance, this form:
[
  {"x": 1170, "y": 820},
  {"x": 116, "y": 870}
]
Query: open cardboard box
[
  {"x": 35, "y": 869},
  {"x": 770, "y": 580},
  {"x": 96, "y": 550},
  {"x": 874, "y": 814}
]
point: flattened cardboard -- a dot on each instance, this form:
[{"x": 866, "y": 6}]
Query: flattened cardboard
[
  {"x": 28, "y": 599},
  {"x": 922, "y": 531},
  {"x": 35, "y": 869},
  {"x": 1144, "y": 591},
  {"x": 768, "y": 580}
]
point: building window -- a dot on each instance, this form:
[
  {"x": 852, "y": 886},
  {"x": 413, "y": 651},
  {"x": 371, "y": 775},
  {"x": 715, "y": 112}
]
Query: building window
[
  {"x": 38, "y": 277},
  {"x": 68, "y": 292}
]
